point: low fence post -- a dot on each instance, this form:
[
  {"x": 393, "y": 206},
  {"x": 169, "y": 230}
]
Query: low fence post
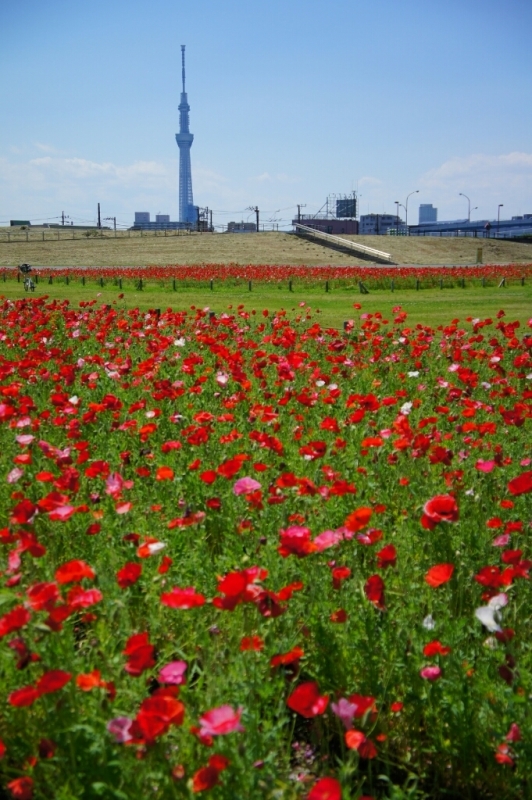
[
  {"x": 417, "y": 284},
  {"x": 212, "y": 284},
  {"x": 249, "y": 285},
  {"x": 326, "y": 286},
  {"x": 392, "y": 286}
]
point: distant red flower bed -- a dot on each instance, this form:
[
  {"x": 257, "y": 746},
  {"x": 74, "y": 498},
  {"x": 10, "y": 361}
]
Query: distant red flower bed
[
  {"x": 270, "y": 273},
  {"x": 248, "y": 556}
]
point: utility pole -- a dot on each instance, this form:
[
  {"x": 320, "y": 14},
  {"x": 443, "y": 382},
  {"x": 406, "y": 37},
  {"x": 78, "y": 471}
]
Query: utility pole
[
  {"x": 99, "y": 218},
  {"x": 256, "y": 210},
  {"x": 198, "y": 220},
  {"x": 299, "y": 207},
  {"x": 210, "y": 226},
  {"x": 62, "y": 217},
  {"x": 113, "y": 220}
]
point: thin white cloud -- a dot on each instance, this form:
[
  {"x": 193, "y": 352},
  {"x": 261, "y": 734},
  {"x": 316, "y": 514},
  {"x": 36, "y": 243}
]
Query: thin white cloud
[
  {"x": 279, "y": 177},
  {"x": 482, "y": 171},
  {"x": 487, "y": 179},
  {"x": 45, "y": 148},
  {"x": 369, "y": 181}
]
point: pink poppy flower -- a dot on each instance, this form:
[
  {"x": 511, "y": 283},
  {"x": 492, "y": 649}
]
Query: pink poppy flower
[
  {"x": 119, "y": 727},
  {"x": 245, "y": 486},
  {"x": 173, "y": 673},
  {"x": 430, "y": 673},
  {"x": 221, "y": 720}
]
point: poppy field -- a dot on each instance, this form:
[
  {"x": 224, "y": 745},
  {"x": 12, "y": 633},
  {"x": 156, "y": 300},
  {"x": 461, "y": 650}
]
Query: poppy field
[{"x": 248, "y": 555}]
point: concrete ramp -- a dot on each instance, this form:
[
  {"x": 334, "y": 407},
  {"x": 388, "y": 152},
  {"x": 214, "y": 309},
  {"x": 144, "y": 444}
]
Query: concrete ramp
[{"x": 337, "y": 243}]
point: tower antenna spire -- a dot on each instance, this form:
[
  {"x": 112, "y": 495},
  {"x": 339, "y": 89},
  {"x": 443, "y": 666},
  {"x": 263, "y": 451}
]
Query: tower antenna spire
[{"x": 187, "y": 210}]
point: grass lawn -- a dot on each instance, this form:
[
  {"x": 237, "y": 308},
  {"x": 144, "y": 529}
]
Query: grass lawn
[{"x": 428, "y": 306}]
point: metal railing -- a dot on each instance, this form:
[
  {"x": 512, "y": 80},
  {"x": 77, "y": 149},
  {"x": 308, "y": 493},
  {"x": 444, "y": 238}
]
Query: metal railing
[{"x": 357, "y": 248}]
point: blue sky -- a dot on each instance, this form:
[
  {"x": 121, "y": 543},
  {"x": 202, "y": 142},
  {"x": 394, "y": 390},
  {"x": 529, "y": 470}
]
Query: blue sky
[{"x": 290, "y": 101}]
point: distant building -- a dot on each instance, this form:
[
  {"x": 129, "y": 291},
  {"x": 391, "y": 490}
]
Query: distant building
[
  {"x": 378, "y": 224},
  {"x": 241, "y": 227},
  {"x": 162, "y": 222},
  {"x": 427, "y": 213},
  {"x": 328, "y": 224}
]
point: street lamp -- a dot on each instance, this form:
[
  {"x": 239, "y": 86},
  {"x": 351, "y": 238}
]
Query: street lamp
[
  {"x": 499, "y": 217},
  {"x": 416, "y": 191},
  {"x": 468, "y": 205}
]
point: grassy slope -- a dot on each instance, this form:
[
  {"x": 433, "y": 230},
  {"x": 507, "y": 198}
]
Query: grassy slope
[{"x": 262, "y": 248}]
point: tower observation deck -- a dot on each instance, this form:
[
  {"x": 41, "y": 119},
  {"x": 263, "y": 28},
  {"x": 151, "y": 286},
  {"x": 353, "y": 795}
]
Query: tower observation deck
[{"x": 184, "y": 139}]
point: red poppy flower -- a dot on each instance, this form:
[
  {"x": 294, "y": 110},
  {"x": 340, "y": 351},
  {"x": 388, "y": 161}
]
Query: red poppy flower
[
  {"x": 43, "y": 596},
  {"x": 21, "y": 788},
  {"x": 164, "y": 474},
  {"x": 140, "y": 654},
  {"x": 435, "y": 648},
  {"x": 439, "y": 574},
  {"x": 252, "y": 643},
  {"x": 374, "y": 590},
  {"x": 89, "y": 681},
  {"x": 205, "y": 778},
  {"x": 52, "y": 681},
  {"x": 74, "y": 571},
  {"x": 522, "y": 484},
  {"x": 358, "y": 519},
  {"x": 157, "y": 713},
  {"x": 339, "y": 575},
  {"x": 441, "y": 508},
  {"x": 128, "y": 574},
  {"x": 356, "y": 740},
  {"x": 339, "y": 616},
  {"x": 182, "y": 598},
  {"x": 25, "y": 696},
  {"x": 282, "y": 659},
  {"x": 326, "y": 789},
  {"x": 307, "y": 701},
  {"x": 296, "y": 540},
  {"x": 78, "y": 598},
  {"x": 387, "y": 557}
]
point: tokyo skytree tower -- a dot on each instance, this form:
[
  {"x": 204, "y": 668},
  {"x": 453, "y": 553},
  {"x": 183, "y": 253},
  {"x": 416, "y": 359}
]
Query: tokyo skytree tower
[{"x": 184, "y": 139}]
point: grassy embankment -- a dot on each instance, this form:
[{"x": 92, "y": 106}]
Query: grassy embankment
[{"x": 131, "y": 249}]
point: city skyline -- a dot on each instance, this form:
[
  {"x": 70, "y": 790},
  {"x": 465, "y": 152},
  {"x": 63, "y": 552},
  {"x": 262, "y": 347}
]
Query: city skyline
[{"x": 288, "y": 107}]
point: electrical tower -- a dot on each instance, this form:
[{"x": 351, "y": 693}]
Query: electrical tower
[{"x": 187, "y": 210}]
